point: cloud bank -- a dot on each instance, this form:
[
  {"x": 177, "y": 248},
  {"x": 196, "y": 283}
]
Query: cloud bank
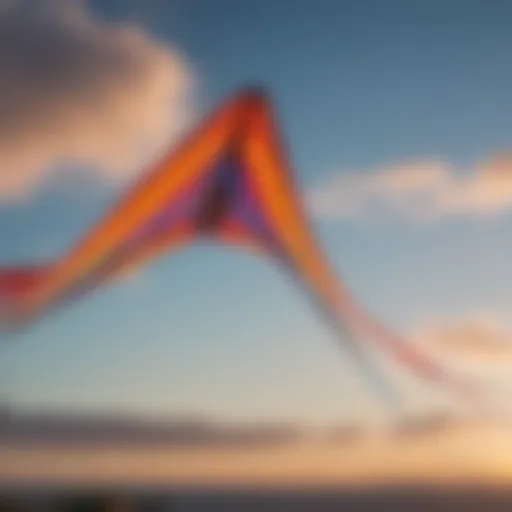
[
  {"x": 78, "y": 90},
  {"x": 421, "y": 190}
]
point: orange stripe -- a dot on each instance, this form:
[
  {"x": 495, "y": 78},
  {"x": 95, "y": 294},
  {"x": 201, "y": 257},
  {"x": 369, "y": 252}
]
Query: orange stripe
[
  {"x": 163, "y": 244},
  {"x": 282, "y": 205},
  {"x": 168, "y": 177}
]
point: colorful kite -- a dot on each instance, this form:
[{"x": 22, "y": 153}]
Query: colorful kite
[{"x": 229, "y": 181}]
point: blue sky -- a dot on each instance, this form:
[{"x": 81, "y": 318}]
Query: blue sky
[{"x": 359, "y": 87}]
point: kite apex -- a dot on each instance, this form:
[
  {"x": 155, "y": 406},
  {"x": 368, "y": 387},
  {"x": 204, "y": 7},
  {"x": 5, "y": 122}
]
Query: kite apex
[{"x": 254, "y": 93}]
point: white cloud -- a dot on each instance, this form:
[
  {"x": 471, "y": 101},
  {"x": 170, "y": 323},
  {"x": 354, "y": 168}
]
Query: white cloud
[
  {"x": 76, "y": 89},
  {"x": 420, "y": 190}
]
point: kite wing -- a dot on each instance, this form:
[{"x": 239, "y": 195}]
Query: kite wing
[{"x": 230, "y": 180}]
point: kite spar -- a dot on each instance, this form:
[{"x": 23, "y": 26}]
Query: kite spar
[{"x": 230, "y": 181}]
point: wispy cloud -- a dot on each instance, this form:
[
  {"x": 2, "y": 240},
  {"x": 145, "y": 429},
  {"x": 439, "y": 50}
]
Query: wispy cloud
[
  {"x": 478, "y": 338},
  {"x": 421, "y": 190},
  {"x": 76, "y": 89}
]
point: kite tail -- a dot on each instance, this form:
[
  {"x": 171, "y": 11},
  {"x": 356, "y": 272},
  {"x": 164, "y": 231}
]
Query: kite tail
[
  {"x": 16, "y": 284},
  {"x": 347, "y": 337},
  {"x": 374, "y": 374},
  {"x": 360, "y": 322}
]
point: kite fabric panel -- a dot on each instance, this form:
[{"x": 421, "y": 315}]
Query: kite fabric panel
[{"x": 229, "y": 181}]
